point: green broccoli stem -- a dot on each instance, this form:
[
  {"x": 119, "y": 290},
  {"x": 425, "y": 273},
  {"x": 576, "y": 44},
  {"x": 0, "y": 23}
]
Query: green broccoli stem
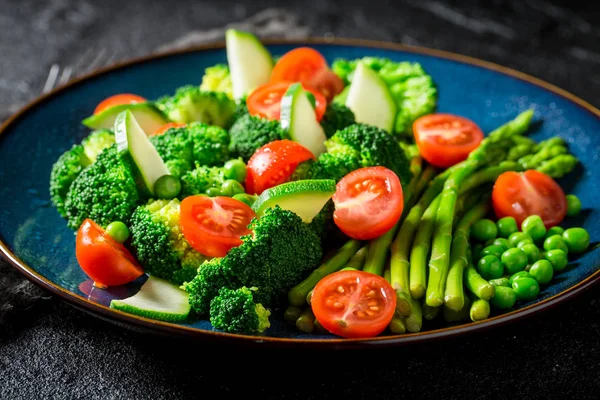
[
  {"x": 306, "y": 321},
  {"x": 292, "y": 313},
  {"x": 420, "y": 250},
  {"x": 378, "y": 248},
  {"x": 442, "y": 239},
  {"x": 454, "y": 293},
  {"x": 414, "y": 322},
  {"x": 399, "y": 262},
  {"x": 480, "y": 310},
  {"x": 297, "y": 295},
  {"x": 429, "y": 312}
]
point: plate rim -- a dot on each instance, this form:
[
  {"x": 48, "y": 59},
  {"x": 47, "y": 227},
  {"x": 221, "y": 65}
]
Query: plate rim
[{"x": 109, "y": 314}]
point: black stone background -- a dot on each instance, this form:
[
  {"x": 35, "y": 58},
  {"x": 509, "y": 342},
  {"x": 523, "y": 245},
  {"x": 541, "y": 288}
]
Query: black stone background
[{"x": 50, "y": 350}]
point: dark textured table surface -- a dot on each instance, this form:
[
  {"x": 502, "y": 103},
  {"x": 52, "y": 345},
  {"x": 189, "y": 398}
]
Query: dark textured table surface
[{"x": 50, "y": 350}]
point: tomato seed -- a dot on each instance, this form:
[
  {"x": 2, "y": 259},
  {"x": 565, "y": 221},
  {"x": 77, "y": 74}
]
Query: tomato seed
[
  {"x": 371, "y": 293},
  {"x": 337, "y": 304},
  {"x": 372, "y": 303},
  {"x": 340, "y": 289},
  {"x": 374, "y": 308}
]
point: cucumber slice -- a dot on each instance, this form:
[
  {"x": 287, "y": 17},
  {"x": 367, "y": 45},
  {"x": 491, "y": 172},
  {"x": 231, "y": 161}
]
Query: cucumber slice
[
  {"x": 299, "y": 118},
  {"x": 370, "y": 99},
  {"x": 148, "y": 116},
  {"x": 250, "y": 63},
  {"x": 305, "y": 198},
  {"x": 131, "y": 140},
  {"x": 156, "y": 299}
]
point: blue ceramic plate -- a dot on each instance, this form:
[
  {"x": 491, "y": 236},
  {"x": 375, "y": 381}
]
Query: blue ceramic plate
[{"x": 36, "y": 240}]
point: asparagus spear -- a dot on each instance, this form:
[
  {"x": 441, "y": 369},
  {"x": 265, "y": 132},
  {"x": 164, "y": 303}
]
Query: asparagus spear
[
  {"x": 414, "y": 321},
  {"x": 480, "y": 309},
  {"x": 420, "y": 251},
  {"x": 297, "y": 295},
  {"x": 397, "y": 324},
  {"x": 429, "y": 312},
  {"x": 558, "y": 166},
  {"x": 358, "y": 259},
  {"x": 306, "y": 321},
  {"x": 442, "y": 239},
  {"x": 454, "y": 294},
  {"x": 489, "y": 174},
  {"x": 292, "y": 313},
  {"x": 379, "y": 247}
]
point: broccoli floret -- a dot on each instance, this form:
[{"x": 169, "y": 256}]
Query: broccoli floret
[
  {"x": 249, "y": 133},
  {"x": 198, "y": 180},
  {"x": 159, "y": 244},
  {"x": 336, "y": 117},
  {"x": 97, "y": 141},
  {"x": 411, "y": 87},
  {"x": 279, "y": 253},
  {"x": 210, "y": 144},
  {"x": 235, "y": 311},
  {"x": 64, "y": 171},
  {"x": 241, "y": 109},
  {"x": 175, "y": 148},
  {"x": 357, "y": 146},
  {"x": 70, "y": 164},
  {"x": 217, "y": 79},
  {"x": 190, "y": 104},
  {"x": 104, "y": 191}
]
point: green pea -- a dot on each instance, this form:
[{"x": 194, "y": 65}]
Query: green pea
[
  {"x": 500, "y": 282},
  {"x": 502, "y": 242},
  {"x": 235, "y": 169},
  {"x": 484, "y": 229},
  {"x": 524, "y": 242},
  {"x": 577, "y": 239},
  {"x": 492, "y": 250},
  {"x": 507, "y": 226},
  {"x": 555, "y": 230},
  {"x": 514, "y": 260},
  {"x": 476, "y": 252},
  {"x": 534, "y": 227},
  {"x": 249, "y": 199},
  {"x": 573, "y": 205},
  {"x": 531, "y": 251},
  {"x": 118, "y": 231},
  {"x": 557, "y": 258},
  {"x": 517, "y": 237},
  {"x": 526, "y": 288},
  {"x": 167, "y": 187},
  {"x": 556, "y": 242},
  {"x": 490, "y": 267},
  {"x": 504, "y": 298},
  {"x": 519, "y": 275},
  {"x": 231, "y": 187},
  {"x": 542, "y": 271},
  {"x": 213, "y": 192}
]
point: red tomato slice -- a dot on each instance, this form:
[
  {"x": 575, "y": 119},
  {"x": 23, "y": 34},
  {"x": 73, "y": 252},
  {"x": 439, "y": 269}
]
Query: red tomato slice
[
  {"x": 521, "y": 194},
  {"x": 118, "y": 99},
  {"x": 298, "y": 65},
  {"x": 214, "y": 225},
  {"x": 265, "y": 100},
  {"x": 166, "y": 127},
  {"x": 273, "y": 164},
  {"x": 106, "y": 261},
  {"x": 368, "y": 202},
  {"x": 445, "y": 139},
  {"x": 353, "y": 304},
  {"x": 328, "y": 83},
  {"x": 308, "y": 66}
]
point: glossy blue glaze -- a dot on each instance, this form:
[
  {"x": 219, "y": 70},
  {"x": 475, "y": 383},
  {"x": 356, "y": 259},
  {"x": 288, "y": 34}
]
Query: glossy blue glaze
[{"x": 37, "y": 235}]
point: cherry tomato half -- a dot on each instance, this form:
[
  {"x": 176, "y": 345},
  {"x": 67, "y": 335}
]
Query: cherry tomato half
[
  {"x": 353, "y": 304},
  {"x": 445, "y": 139},
  {"x": 166, "y": 127},
  {"x": 307, "y": 65},
  {"x": 214, "y": 225},
  {"x": 273, "y": 164},
  {"x": 368, "y": 202},
  {"x": 521, "y": 194},
  {"x": 118, "y": 99},
  {"x": 265, "y": 100},
  {"x": 106, "y": 261}
]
